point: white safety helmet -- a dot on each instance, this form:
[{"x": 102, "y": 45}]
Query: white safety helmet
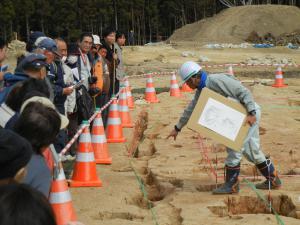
[
  {"x": 96, "y": 39},
  {"x": 189, "y": 69}
]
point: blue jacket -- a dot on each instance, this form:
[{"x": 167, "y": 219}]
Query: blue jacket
[
  {"x": 56, "y": 77},
  {"x": 10, "y": 80},
  {"x": 38, "y": 174}
]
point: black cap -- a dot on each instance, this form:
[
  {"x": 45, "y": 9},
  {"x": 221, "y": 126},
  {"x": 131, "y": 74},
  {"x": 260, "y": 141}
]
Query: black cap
[
  {"x": 32, "y": 38},
  {"x": 15, "y": 153}
]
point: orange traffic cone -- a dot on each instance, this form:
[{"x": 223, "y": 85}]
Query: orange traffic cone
[
  {"x": 230, "y": 71},
  {"x": 99, "y": 142},
  {"x": 186, "y": 88},
  {"x": 123, "y": 110},
  {"x": 114, "y": 132},
  {"x": 279, "y": 79},
  {"x": 150, "y": 93},
  {"x": 60, "y": 200},
  {"x": 130, "y": 99},
  {"x": 174, "y": 89},
  {"x": 85, "y": 174}
]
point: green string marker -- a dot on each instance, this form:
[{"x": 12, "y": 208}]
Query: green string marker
[{"x": 252, "y": 186}]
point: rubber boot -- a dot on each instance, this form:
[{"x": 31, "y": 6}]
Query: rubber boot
[
  {"x": 231, "y": 181},
  {"x": 268, "y": 171}
]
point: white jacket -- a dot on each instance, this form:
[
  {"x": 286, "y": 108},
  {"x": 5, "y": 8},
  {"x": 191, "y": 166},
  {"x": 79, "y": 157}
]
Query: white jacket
[{"x": 70, "y": 102}]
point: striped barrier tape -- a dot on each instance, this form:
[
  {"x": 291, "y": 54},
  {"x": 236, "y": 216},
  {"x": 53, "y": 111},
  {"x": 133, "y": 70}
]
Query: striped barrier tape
[
  {"x": 72, "y": 141},
  {"x": 220, "y": 66}
]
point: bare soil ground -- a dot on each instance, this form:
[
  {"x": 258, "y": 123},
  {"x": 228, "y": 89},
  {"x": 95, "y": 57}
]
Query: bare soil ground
[{"x": 175, "y": 174}]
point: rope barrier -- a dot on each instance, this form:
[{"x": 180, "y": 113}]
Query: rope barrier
[
  {"x": 72, "y": 141},
  {"x": 250, "y": 65},
  {"x": 220, "y": 66}
]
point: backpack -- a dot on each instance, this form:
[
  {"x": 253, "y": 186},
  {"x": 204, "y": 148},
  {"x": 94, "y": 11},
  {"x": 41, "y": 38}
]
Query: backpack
[{"x": 85, "y": 104}]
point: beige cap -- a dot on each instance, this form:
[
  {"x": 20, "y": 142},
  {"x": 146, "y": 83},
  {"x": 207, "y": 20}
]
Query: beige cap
[{"x": 46, "y": 102}]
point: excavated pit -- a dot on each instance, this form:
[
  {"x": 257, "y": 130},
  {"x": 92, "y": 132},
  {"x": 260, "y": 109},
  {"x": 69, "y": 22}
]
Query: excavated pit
[
  {"x": 235, "y": 205},
  {"x": 294, "y": 101},
  {"x": 119, "y": 215}
]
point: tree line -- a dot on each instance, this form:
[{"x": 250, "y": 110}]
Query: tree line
[{"x": 150, "y": 20}]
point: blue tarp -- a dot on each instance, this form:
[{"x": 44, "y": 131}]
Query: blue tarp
[{"x": 263, "y": 45}]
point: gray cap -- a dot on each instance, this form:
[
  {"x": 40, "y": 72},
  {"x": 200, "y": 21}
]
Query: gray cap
[{"x": 47, "y": 44}]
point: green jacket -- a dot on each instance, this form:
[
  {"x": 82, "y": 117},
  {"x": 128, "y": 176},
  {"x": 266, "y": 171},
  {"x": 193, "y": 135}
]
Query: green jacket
[{"x": 226, "y": 85}]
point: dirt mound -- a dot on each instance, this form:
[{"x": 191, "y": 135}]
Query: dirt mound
[
  {"x": 234, "y": 25},
  {"x": 16, "y": 48}
]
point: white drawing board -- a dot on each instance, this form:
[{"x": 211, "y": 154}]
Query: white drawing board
[{"x": 220, "y": 119}]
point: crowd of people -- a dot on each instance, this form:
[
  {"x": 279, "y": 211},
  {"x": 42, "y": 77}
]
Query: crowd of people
[{"x": 54, "y": 87}]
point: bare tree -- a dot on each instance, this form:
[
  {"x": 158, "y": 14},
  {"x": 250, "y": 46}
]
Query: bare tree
[{"x": 232, "y": 3}]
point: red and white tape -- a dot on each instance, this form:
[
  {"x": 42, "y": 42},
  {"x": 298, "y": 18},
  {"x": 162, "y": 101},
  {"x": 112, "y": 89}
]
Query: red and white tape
[
  {"x": 78, "y": 133},
  {"x": 250, "y": 65},
  {"x": 219, "y": 66}
]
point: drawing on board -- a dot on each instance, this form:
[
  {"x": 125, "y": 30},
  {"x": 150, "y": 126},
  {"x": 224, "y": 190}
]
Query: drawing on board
[{"x": 222, "y": 119}]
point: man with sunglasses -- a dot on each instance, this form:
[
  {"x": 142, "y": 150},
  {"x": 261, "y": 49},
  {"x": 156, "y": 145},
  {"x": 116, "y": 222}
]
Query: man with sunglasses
[{"x": 226, "y": 85}]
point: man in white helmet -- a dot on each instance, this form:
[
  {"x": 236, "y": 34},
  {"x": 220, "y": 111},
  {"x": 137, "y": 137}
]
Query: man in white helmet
[{"x": 226, "y": 85}]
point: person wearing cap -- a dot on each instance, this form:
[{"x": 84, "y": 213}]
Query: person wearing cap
[
  {"x": 100, "y": 70},
  {"x": 20, "y": 93},
  {"x": 46, "y": 46},
  {"x": 15, "y": 154},
  {"x": 32, "y": 39},
  {"x": 56, "y": 78},
  {"x": 32, "y": 66},
  {"x": 96, "y": 45},
  {"x": 228, "y": 86},
  {"x": 97, "y": 66},
  {"x": 39, "y": 123},
  {"x": 60, "y": 91}
]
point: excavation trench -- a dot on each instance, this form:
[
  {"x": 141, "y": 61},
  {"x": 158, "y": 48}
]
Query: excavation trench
[
  {"x": 235, "y": 205},
  {"x": 144, "y": 148}
]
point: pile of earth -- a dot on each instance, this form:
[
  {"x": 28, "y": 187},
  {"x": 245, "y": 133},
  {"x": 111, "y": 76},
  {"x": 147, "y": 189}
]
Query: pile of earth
[
  {"x": 16, "y": 48},
  {"x": 234, "y": 25},
  {"x": 281, "y": 40}
]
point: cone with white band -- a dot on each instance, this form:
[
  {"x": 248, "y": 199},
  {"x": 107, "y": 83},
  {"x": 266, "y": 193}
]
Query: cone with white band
[
  {"x": 150, "y": 93},
  {"x": 130, "y": 99},
  {"x": 279, "y": 83},
  {"x": 230, "y": 70},
  {"x": 174, "y": 89},
  {"x": 61, "y": 201},
  {"x": 114, "y": 132},
  {"x": 124, "y": 110},
  {"x": 99, "y": 142},
  {"x": 84, "y": 173}
]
